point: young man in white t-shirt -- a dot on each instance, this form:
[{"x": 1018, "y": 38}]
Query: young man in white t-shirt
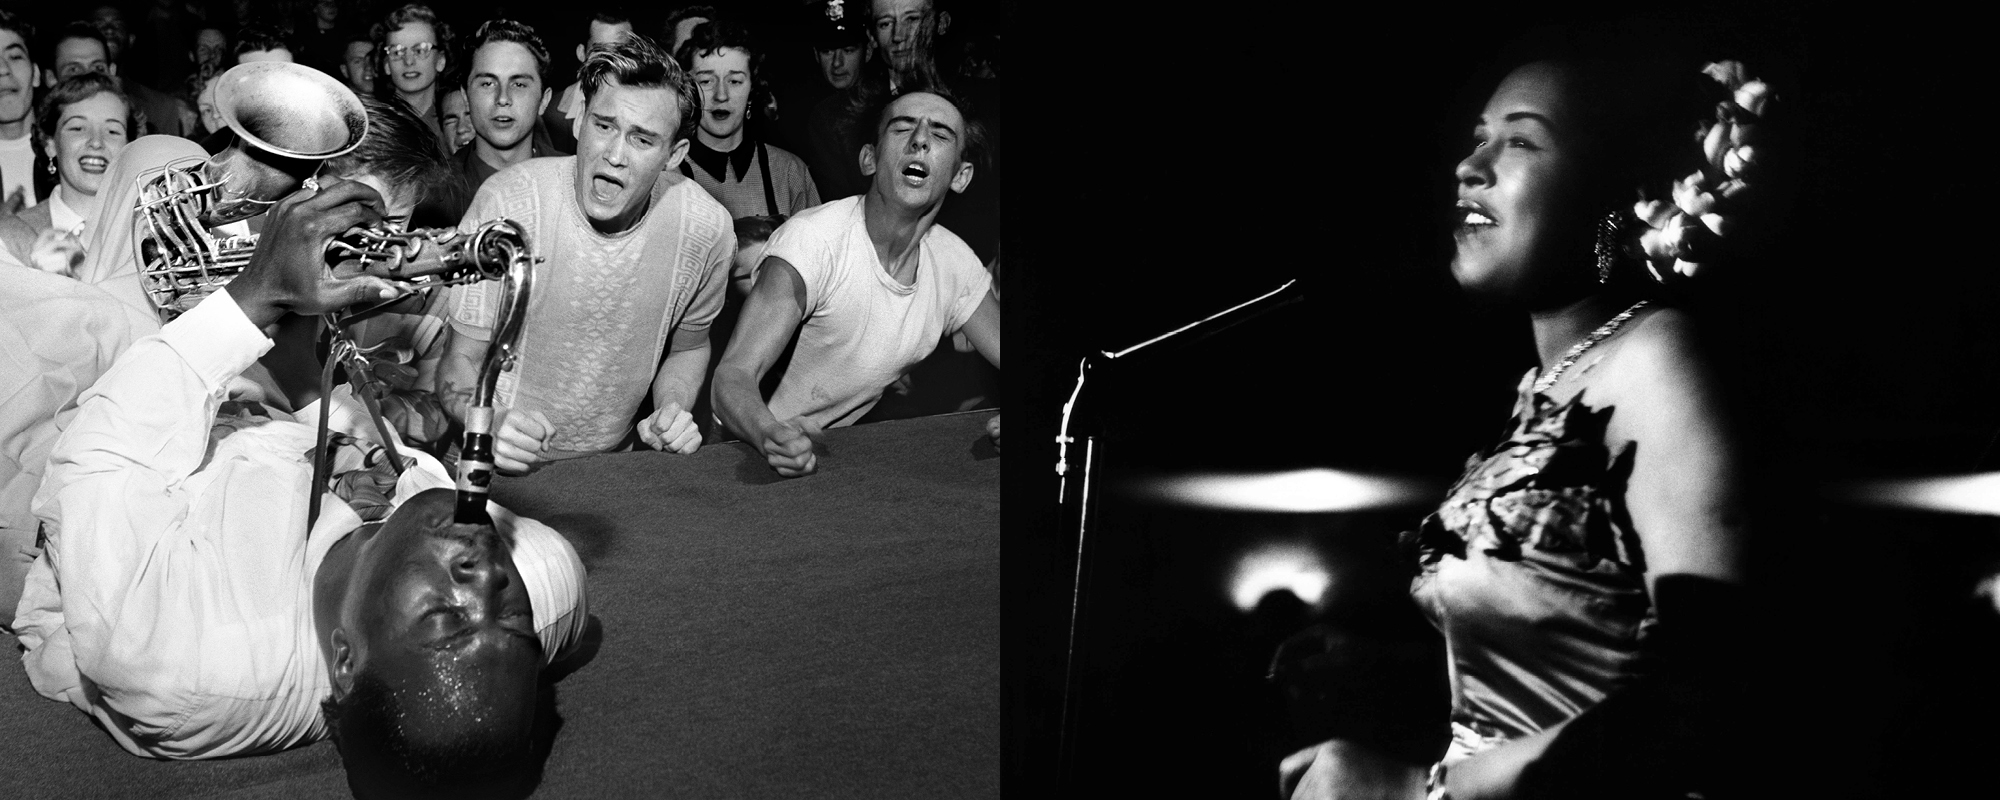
[
  {"x": 871, "y": 285},
  {"x": 18, "y": 76}
]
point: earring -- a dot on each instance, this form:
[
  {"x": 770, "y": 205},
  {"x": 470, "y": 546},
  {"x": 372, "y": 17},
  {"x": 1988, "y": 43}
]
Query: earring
[
  {"x": 52, "y": 166},
  {"x": 1607, "y": 245}
]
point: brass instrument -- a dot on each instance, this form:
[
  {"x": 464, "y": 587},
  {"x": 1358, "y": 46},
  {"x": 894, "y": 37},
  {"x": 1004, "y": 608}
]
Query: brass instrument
[
  {"x": 475, "y": 460},
  {"x": 286, "y": 120}
]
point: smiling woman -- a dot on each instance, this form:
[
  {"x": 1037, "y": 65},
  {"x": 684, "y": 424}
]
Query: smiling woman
[
  {"x": 1577, "y": 569},
  {"x": 82, "y": 123}
]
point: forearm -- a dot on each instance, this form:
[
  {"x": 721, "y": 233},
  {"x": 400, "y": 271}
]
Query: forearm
[
  {"x": 680, "y": 377},
  {"x": 458, "y": 374},
  {"x": 740, "y": 404}
]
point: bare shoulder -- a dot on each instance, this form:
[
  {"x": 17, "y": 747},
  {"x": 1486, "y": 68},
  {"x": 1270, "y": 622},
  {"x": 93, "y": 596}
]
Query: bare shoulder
[
  {"x": 1659, "y": 357},
  {"x": 1662, "y": 383}
]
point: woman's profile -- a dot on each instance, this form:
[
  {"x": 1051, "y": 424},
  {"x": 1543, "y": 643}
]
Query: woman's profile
[{"x": 1585, "y": 571}]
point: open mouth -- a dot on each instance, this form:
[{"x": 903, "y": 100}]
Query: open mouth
[
  {"x": 93, "y": 164},
  {"x": 502, "y": 121},
  {"x": 914, "y": 173},
  {"x": 719, "y": 114},
  {"x": 1472, "y": 216},
  {"x": 605, "y": 187}
]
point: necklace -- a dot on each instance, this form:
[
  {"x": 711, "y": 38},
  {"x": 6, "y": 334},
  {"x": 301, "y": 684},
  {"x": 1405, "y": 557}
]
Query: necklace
[{"x": 1603, "y": 332}]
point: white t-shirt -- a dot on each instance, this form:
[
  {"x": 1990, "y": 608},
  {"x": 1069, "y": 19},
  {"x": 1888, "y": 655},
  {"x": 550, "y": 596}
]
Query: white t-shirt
[
  {"x": 17, "y": 168},
  {"x": 862, "y": 329}
]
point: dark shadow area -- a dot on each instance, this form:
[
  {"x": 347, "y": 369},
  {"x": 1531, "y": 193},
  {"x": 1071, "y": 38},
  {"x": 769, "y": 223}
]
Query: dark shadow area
[{"x": 1855, "y": 349}]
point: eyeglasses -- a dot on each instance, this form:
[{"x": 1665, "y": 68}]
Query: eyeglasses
[{"x": 409, "y": 52}]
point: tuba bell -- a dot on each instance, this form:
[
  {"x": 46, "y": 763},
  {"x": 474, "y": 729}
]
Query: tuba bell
[{"x": 284, "y": 120}]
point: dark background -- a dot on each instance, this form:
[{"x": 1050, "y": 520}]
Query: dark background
[{"x": 1187, "y": 161}]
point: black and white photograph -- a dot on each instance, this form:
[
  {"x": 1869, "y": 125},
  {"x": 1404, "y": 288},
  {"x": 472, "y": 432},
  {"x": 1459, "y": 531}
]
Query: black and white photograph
[
  {"x": 1411, "y": 401},
  {"x": 1476, "y": 400}
]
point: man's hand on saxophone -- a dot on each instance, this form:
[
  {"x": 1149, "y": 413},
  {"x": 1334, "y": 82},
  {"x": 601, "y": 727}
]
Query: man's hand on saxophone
[{"x": 288, "y": 271}]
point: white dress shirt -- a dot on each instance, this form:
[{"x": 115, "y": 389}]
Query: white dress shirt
[{"x": 173, "y": 601}]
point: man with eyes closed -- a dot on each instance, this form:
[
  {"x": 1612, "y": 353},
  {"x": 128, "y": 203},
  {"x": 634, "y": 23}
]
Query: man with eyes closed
[
  {"x": 188, "y": 600},
  {"x": 636, "y": 265},
  {"x": 870, "y": 283}
]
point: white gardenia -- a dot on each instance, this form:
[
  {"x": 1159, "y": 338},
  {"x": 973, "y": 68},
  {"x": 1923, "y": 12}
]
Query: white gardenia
[{"x": 1685, "y": 228}]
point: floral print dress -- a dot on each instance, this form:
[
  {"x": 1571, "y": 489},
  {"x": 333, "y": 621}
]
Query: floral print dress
[{"x": 1533, "y": 573}]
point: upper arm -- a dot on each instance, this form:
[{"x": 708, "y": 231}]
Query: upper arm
[
  {"x": 983, "y": 328},
  {"x": 772, "y": 312},
  {"x": 1685, "y": 491}
]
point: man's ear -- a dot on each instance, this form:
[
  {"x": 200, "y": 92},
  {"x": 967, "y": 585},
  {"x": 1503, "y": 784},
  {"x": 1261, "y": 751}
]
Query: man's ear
[
  {"x": 944, "y": 22},
  {"x": 680, "y": 151},
  {"x": 868, "y": 160},
  {"x": 539, "y": 110},
  {"x": 438, "y": 59},
  {"x": 111, "y": 69},
  {"x": 962, "y": 178},
  {"x": 579, "y": 53},
  {"x": 344, "y": 665}
]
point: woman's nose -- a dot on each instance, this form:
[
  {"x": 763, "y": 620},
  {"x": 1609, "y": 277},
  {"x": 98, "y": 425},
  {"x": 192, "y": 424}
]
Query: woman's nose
[{"x": 1474, "y": 170}]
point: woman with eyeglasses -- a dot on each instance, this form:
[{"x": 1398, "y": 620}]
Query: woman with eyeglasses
[{"x": 414, "y": 44}]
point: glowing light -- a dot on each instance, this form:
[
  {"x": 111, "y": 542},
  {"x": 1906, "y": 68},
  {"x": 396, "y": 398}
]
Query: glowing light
[
  {"x": 1310, "y": 491},
  {"x": 1959, "y": 494},
  {"x": 1290, "y": 567}
]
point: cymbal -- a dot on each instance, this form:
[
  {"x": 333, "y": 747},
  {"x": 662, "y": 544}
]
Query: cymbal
[
  {"x": 1977, "y": 493},
  {"x": 1306, "y": 491}
]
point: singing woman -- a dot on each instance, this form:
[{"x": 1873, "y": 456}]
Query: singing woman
[{"x": 1582, "y": 570}]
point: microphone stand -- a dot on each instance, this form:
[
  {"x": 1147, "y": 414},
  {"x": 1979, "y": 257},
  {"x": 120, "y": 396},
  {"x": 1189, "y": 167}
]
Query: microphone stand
[{"x": 1284, "y": 295}]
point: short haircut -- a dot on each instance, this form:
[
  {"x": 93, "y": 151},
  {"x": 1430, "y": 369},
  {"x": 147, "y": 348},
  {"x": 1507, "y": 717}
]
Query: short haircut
[
  {"x": 258, "y": 39},
  {"x": 507, "y": 30},
  {"x": 972, "y": 140},
  {"x": 76, "y": 89},
  {"x": 367, "y": 726},
  {"x": 10, "y": 21},
  {"x": 414, "y": 12},
  {"x": 637, "y": 62},
  {"x": 719, "y": 33},
  {"x": 401, "y": 151},
  {"x": 75, "y": 29},
  {"x": 610, "y": 14},
  {"x": 716, "y": 34},
  {"x": 756, "y": 230}
]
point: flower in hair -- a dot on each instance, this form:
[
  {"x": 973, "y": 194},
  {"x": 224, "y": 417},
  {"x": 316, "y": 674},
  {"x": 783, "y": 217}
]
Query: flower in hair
[{"x": 1686, "y": 230}]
